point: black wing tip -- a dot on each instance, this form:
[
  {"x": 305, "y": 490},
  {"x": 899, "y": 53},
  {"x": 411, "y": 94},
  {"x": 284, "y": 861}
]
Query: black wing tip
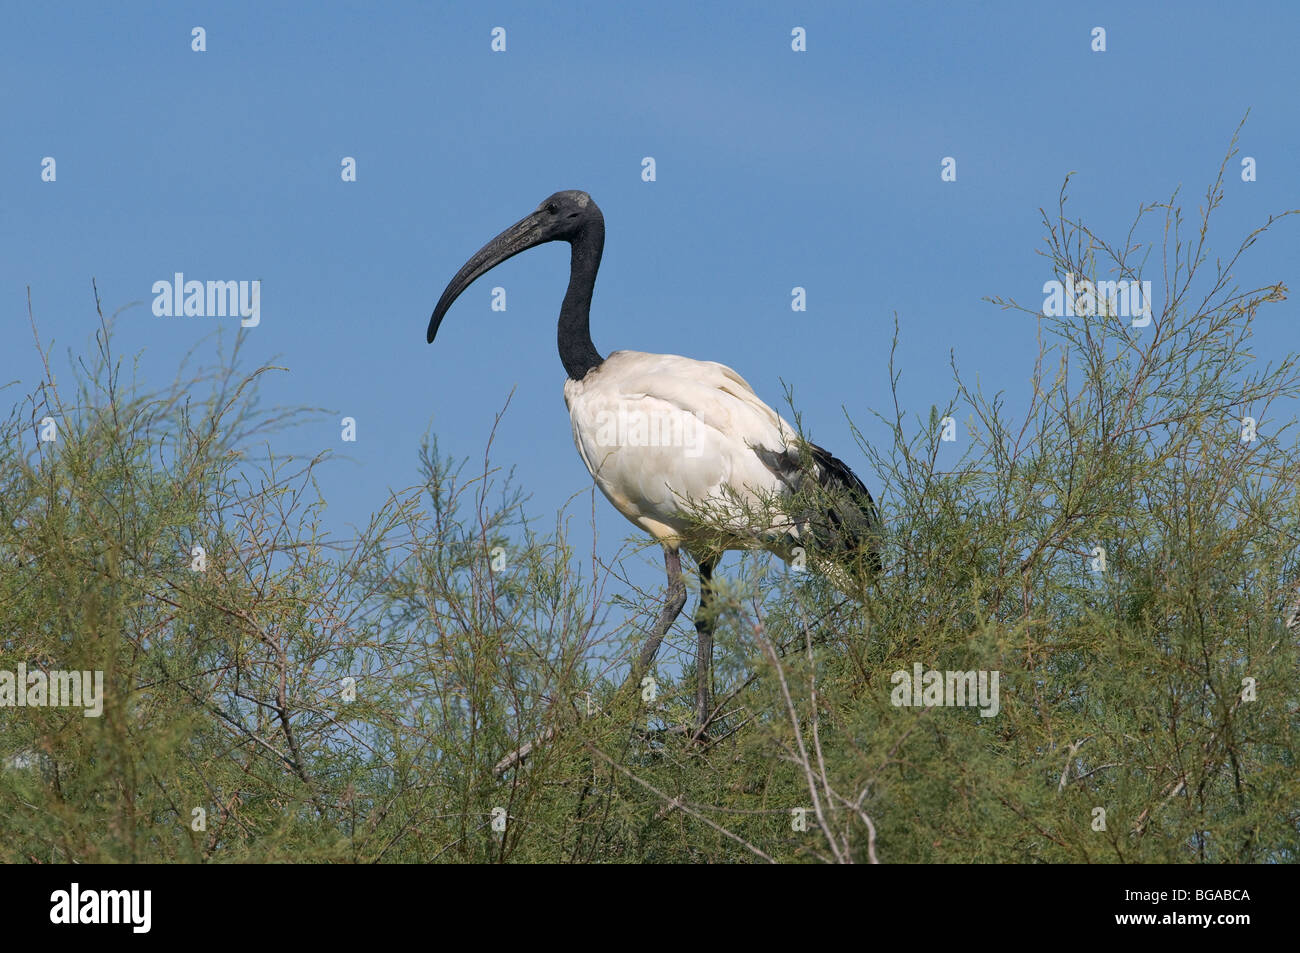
[
  {"x": 835, "y": 474},
  {"x": 845, "y": 520}
]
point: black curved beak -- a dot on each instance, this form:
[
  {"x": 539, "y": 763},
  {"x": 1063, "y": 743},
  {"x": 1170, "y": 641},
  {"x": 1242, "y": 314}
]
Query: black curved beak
[{"x": 521, "y": 236}]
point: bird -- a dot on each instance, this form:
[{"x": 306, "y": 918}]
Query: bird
[{"x": 684, "y": 448}]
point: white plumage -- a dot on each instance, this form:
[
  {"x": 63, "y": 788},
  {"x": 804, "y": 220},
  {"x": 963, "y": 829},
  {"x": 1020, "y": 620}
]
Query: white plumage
[{"x": 665, "y": 436}]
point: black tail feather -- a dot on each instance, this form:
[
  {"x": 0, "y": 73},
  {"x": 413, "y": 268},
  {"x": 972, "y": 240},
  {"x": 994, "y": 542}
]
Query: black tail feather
[
  {"x": 837, "y": 513},
  {"x": 850, "y": 520}
]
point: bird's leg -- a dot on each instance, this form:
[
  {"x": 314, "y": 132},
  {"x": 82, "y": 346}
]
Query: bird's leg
[
  {"x": 704, "y": 654},
  {"x": 672, "y": 608}
]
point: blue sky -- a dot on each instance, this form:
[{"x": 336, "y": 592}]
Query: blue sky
[{"x": 774, "y": 169}]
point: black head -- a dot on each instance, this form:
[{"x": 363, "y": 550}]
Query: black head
[
  {"x": 563, "y": 217},
  {"x": 566, "y": 213}
]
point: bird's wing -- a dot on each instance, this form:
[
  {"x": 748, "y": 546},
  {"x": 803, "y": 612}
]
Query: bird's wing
[
  {"x": 713, "y": 393},
  {"x": 707, "y": 441}
]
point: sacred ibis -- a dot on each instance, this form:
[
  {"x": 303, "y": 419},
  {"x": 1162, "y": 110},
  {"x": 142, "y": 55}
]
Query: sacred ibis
[{"x": 669, "y": 438}]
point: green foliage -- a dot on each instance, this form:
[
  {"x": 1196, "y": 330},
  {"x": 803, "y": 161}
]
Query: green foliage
[{"x": 370, "y": 700}]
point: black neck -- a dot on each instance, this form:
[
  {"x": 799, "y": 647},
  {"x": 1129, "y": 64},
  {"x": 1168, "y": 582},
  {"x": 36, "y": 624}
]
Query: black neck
[{"x": 577, "y": 351}]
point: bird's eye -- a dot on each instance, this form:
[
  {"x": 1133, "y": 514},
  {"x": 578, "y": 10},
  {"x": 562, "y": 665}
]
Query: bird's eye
[{"x": 552, "y": 208}]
